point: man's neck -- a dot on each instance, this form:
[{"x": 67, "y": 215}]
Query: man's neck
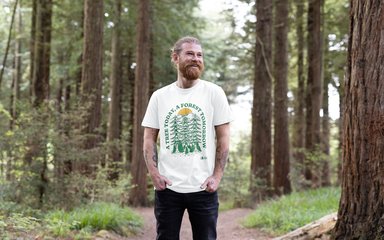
[{"x": 184, "y": 83}]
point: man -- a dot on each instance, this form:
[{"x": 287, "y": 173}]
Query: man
[{"x": 192, "y": 117}]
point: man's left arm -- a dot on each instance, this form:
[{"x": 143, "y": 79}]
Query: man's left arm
[{"x": 211, "y": 184}]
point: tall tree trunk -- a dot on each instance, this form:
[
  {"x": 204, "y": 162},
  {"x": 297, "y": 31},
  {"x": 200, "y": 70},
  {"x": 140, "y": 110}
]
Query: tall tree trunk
[
  {"x": 129, "y": 93},
  {"x": 340, "y": 90},
  {"x": 42, "y": 52},
  {"x": 325, "y": 131},
  {"x": 281, "y": 181},
  {"x": 299, "y": 117},
  {"x": 15, "y": 95},
  {"x": 261, "y": 113},
  {"x": 325, "y": 128},
  {"x": 114, "y": 118},
  {"x": 79, "y": 71},
  {"x": 92, "y": 75},
  {"x": 138, "y": 194},
  {"x": 32, "y": 47},
  {"x": 314, "y": 88},
  {"x": 8, "y": 43},
  {"x": 40, "y": 88},
  {"x": 361, "y": 209}
]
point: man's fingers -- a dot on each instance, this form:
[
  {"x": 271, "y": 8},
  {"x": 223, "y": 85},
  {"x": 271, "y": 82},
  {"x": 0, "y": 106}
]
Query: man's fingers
[
  {"x": 204, "y": 185},
  {"x": 167, "y": 181}
]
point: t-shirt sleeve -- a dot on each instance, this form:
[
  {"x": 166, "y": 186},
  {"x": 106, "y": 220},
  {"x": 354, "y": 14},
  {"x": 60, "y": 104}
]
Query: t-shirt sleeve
[
  {"x": 222, "y": 111},
  {"x": 151, "y": 117}
]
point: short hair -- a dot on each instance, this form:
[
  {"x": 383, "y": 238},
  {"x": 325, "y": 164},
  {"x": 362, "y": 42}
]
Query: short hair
[{"x": 177, "y": 47}]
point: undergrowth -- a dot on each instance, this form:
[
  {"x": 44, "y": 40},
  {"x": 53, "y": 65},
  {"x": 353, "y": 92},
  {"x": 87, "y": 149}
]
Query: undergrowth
[
  {"x": 293, "y": 211},
  {"x": 94, "y": 217}
]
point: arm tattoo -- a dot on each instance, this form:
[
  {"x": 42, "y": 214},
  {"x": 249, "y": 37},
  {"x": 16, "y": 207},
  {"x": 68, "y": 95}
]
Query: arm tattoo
[
  {"x": 221, "y": 158},
  {"x": 154, "y": 155}
]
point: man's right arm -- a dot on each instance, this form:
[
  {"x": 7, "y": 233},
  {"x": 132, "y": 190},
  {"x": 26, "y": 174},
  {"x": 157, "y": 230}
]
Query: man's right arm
[{"x": 151, "y": 158}]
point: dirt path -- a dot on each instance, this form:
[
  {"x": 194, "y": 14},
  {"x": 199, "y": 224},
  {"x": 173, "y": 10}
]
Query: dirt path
[{"x": 228, "y": 227}]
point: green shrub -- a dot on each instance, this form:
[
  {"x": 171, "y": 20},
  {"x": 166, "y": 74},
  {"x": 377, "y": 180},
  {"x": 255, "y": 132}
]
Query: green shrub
[
  {"x": 293, "y": 211},
  {"x": 97, "y": 216}
]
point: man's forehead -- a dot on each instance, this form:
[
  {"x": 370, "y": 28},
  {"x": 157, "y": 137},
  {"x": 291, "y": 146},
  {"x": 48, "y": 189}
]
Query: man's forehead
[{"x": 191, "y": 47}]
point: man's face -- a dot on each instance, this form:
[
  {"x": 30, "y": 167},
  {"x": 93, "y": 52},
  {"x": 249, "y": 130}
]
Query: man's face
[{"x": 190, "y": 61}]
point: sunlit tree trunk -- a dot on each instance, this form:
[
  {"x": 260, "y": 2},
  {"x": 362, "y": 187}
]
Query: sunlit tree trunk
[
  {"x": 138, "y": 194},
  {"x": 92, "y": 75},
  {"x": 260, "y": 184},
  {"x": 361, "y": 208},
  {"x": 114, "y": 117},
  {"x": 281, "y": 181},
  {"x": 313, "y": 95}
]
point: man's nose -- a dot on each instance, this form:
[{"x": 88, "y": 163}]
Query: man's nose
[{"x": 195, "y": 57}]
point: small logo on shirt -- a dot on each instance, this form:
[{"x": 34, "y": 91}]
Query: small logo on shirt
[{"x": 185, "y": 129}]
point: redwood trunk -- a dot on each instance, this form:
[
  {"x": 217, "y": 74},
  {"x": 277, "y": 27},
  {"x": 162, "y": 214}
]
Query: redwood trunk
[
  {"x": 299, "y": 117},
  {"x": 91, "y": 83},
  {"x": 42, "y": 49},
  {"x": 361, "y": 209},
  {"x": 138, "y": 194},
  {"x": 281, "y": 183},
  {"x": 261, "y": 112},
  {"x": 314, "y": 88},
  {"x": 114, "y": 130}
]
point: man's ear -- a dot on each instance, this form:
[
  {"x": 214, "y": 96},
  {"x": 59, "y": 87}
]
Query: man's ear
[{"x": 175, "y": 58}]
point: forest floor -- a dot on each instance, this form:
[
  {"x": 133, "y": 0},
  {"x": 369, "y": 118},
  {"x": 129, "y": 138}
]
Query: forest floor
[{"x": 228, "y": 228}]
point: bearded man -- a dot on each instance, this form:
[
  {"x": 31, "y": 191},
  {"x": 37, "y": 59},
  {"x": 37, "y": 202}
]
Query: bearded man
[{"x": 192, "y": 117}]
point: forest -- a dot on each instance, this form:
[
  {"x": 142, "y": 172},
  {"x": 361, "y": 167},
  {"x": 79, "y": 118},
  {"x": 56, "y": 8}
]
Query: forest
[{"x": 303, "y": 78}]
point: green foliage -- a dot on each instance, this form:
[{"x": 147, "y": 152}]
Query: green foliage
[
  {"x": 235, "y": 183},
  {"x": 97, "y": 216},
  {"x": 293, "y": 211},
  {"x": 171, "y": 21},
  {"x": 16, "y": 225}
]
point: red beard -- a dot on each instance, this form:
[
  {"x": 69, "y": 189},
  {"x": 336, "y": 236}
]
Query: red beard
[{"x": 191, "y": 70}]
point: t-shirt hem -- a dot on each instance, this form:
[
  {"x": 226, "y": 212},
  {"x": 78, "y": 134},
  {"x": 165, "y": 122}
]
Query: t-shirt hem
[
  {"x": 150, "y": 126},
  {"x": 185, "y": 190}
]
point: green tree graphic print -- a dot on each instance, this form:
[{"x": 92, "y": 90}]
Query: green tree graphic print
[{"x": 185, "y": 131}]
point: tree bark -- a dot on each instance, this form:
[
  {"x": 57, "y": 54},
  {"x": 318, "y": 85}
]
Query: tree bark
[
  {"x": 325, "y": 128},
  {"x": 8, "y": 43},
  {"x": 92, "y": 75},
  {"x": 15, "y": 88},
  {"x": 138, "y": 194},
  {"x": 281, "y": 181},
  {"x": 42, "y": 52},
  {"x": 361, "y": 208},
  {"x": 32, "y": 47},
  {"x": 114, "y": 117},
  {"x": 299, "y": 117},
  {"x": 314, "y": 88},
  {"x": 261, "y": 113}
]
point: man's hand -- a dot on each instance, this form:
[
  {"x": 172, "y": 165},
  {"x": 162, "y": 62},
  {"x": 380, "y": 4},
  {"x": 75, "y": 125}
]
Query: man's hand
[
  {"x": 160, "y": 182},
  {"x": 211, "y": 184},
  {"x": 222, "y": 149},
  {"x": 150, "y": 156}
]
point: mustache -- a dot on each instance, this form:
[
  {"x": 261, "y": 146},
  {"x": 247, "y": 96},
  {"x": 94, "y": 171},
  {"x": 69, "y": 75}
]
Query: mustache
[{"x": 200, "y": 66}]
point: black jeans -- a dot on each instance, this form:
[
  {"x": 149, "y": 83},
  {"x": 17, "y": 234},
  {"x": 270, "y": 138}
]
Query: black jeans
[{"x": 202, "y": 210}]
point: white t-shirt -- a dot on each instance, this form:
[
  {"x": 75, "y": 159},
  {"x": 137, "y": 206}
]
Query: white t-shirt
[{"x": 186, "y": 119}]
